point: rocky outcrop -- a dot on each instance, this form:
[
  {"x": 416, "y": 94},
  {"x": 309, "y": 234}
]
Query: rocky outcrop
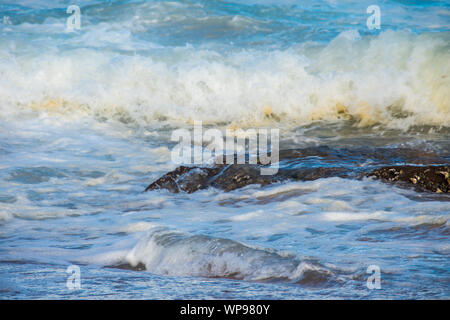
[
  {"x": 431, "y": 178},
  {"x": 231, "y": 177},
  {"x": 315, "y": 163}
]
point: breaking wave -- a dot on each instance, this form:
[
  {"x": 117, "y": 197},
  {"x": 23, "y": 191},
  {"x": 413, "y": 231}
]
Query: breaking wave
[
  {"x": 167, "y": 252},
  {"x": 396, "y": 79}
]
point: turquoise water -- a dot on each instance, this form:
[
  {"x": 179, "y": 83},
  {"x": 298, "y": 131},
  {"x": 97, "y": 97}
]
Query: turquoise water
[{"x": 85, "y": 125}]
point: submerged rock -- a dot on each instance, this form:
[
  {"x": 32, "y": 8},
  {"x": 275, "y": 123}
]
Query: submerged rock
[
  {"x": 187, "y": 179},
  {"x": 127, "y": 266},
  {"x": 315, "y": 163},
  {"x": 231, "y": 177}
]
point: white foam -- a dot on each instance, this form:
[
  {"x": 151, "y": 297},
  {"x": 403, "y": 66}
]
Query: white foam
[
  {"x": 174, "y": 253},
  {"x": 396, "y": 79},
  {"x": 137, "y": 227}
]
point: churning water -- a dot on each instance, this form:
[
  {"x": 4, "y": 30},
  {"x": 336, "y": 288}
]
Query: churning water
[{"x": 85, "y": 125}]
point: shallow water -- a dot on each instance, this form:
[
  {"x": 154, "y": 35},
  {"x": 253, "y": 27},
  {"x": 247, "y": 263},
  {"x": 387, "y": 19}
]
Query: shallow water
[{"x": 85, "y": 125}]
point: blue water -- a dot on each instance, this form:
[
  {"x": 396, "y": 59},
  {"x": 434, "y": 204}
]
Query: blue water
[{"x": 86, "y": 119}]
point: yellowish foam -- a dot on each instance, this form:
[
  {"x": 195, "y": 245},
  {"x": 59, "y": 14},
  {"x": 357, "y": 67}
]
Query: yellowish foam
[
  {"x": 58, "y": 105},
  {"x": 409, "y": 85}
]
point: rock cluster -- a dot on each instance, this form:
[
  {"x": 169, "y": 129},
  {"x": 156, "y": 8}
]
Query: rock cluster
[
  {"x": 296, "y": 166},
  {"x": 432, "y": 178}
]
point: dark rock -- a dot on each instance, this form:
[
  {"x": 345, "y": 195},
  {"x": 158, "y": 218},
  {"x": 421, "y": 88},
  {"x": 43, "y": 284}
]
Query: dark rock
[
  {"x": 314, "y": 163},
  {"x": 187, "y": 179},
  {"x": 240, "y": 175},
  {"x": 126, "y": 266},
  {"x": 431, "y": 178},
  {"x": 235, "y": 176}
]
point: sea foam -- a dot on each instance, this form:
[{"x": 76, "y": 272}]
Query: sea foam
[{"x": 396, "y": 79}]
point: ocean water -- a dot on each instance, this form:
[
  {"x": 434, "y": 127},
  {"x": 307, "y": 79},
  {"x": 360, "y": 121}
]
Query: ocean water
[{"x": 86, "y": 119}]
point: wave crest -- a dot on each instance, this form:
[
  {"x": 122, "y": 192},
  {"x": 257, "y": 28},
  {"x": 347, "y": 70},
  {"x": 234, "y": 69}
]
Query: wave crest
[
  {"x": 168, "y": 252},
  {"x": 396, "y": 79}
]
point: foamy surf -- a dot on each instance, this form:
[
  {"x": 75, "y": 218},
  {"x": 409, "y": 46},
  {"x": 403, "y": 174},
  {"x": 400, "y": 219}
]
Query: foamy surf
[
  {"x": 167, "y": 252},
  {"x": 86, "y": 117},
  {"x": 396, "y": 79}
]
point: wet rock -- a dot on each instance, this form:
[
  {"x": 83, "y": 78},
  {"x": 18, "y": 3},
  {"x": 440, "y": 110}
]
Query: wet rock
[
  {"x": 240, "y": 175},
  {"x": 191, "y": 179},
  {"x": 235, "y": 176},
  {"x": 187, "y": 179},
  {"x": 314, "y": 163},
  {"x": 127, "y": 266},
  {"x": 431, "y": 178}
]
